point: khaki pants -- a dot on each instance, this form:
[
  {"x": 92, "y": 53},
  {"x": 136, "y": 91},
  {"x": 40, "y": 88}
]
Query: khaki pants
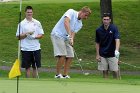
[
  {"x": 61, "y": 47},
  {"x": 108, "y": 64}
]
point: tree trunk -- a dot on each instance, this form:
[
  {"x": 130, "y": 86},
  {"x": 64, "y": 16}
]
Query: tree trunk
[{"x": 106, "y": 7}]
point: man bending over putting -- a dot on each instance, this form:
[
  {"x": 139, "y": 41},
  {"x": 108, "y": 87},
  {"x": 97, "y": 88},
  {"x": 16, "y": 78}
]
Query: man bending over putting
[{"x": 62, "y": 37}]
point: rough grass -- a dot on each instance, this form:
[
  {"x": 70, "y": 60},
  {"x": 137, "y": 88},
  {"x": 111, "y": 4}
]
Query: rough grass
[
  {"x": 126, "y": 17},
  {"x": 59, "y": 1}
]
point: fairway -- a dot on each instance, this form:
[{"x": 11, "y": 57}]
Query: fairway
[{"x": 65, "y": 86}]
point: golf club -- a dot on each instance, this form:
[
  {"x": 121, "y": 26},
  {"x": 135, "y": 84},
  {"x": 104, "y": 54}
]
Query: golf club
[
  {"x": 119, "y": 73},
  {"x": 80, "y": 63},
  {"x": 36, "y": 66}
]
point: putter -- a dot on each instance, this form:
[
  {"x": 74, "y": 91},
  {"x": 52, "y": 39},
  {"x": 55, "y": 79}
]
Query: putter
[
  {"x": 80, "y": 63},
  {"x": 36, "y": 71},
  {"x": 119, "y": 71},
  {"x": 36, "y": 67}
]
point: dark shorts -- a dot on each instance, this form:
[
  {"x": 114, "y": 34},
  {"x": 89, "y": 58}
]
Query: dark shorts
[{"x": 29, "y": 58}]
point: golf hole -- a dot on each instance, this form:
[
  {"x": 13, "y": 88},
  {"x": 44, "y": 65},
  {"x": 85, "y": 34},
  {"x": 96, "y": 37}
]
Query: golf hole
[{"x": 87, "y": 73}]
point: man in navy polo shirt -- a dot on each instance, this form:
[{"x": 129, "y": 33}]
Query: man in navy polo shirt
[{"x": 107, "y": 47}]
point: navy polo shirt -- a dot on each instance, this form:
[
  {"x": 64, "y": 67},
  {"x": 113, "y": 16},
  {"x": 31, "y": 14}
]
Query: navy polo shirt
[{"x": 106, "y": 40}]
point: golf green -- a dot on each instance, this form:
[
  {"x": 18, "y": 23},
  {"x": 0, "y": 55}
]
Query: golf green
[{"x": 64, "y": 86}]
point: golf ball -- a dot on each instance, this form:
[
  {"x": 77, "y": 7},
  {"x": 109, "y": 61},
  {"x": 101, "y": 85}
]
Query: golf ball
[{"x": 80, "y": 59}]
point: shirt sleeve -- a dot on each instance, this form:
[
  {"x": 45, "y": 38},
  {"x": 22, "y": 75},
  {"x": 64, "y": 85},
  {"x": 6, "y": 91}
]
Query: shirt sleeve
[
  {"x": 19, "y": 30},
  {"x": 40, "y": 28},
  {"x": 117, "y": 34},
  {"x": 97, "y": 39},
  {"x": 69, "y": 13}
]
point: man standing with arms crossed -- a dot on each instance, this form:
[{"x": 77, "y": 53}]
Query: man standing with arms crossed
[
  {"x": 62, "y": 37},
  {"x": 107, "y": 47}
]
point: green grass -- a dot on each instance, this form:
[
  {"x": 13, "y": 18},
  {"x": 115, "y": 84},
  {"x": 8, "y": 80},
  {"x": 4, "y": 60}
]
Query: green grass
[
  {"x": 126, "y": 17},
  {"x": 78, "y": 83},
  {"x": 75, "y": 85},
  {"x": 50, "y": 1}
]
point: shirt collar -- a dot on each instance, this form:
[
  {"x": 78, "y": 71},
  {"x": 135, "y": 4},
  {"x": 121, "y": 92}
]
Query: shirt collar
[
  {"x": 108, "y": 26},
  {"x": 77, "y": 16},
  {"x": 29, "y": 21}
]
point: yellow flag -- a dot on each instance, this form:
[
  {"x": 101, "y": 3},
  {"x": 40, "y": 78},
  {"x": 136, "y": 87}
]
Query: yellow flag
[{"x": 15, "y": 70}]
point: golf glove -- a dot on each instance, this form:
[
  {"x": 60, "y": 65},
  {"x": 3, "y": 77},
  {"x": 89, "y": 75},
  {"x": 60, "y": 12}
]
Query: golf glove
[
  {"x": 29, "y": 33},
  {"x": 70, "y": 40},
  {"x": 69, "y": 37},
  {"x": 117, "y": 53},
  {"x": 31, "y": 37}
]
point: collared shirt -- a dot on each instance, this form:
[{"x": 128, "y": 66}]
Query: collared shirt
[
  {"x": 27, "y": 26},
  {"x": 75, "y": 24},
  {"x": 106, "y": 40}
]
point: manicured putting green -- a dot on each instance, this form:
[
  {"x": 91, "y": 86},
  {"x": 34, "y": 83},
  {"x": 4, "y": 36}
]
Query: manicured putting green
[{"x": 65, "y": 86}]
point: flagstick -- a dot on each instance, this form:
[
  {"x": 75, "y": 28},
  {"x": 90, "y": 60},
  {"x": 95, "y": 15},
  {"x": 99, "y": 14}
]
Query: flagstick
[
  {"x": 17, "y": 83},
  {"x": 18, "y": 58},
  {"x": 19, "y": 30},
  {"x": 19, "y": 43}
]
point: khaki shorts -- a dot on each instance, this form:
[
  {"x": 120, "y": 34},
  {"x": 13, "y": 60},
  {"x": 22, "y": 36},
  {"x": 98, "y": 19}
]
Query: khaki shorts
[
  {"x": 61, "y": 47},
  {"x": 108, "y": 64}
]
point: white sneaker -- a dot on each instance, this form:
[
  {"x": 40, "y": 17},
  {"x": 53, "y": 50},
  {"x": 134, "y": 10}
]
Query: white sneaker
[
  {"x": 58, "y": 76},
  {"x": 67, "y": 76}
]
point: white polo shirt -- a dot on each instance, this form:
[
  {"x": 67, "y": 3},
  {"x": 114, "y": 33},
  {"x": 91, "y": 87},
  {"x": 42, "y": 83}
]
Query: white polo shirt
[
  {"x": 75, "y": 24},
  {"x": 26, "y": 26}
]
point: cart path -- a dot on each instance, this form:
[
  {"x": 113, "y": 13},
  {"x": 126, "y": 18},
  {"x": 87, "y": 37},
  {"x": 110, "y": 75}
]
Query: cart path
[{"x": 75, "y": 70}]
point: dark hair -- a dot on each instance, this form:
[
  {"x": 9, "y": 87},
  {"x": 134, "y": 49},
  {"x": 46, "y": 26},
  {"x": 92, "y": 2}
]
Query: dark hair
[
  {"x": 106, "y": 15},
  {"x": 28, "y": 7}
]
